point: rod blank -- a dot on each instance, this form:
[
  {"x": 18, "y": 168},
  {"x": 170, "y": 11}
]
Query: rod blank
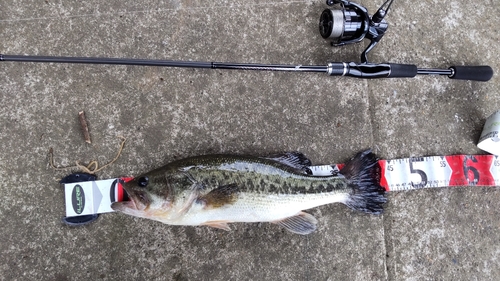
[
  {"x": 165, "y": 63},
  {"x": 351, "y": 69}
]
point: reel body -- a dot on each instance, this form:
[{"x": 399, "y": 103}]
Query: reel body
[{"x": 350, "y": 23}]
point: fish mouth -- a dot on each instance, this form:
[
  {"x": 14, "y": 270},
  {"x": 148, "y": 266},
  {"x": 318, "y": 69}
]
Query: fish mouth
[
  {"x": 124, "y": 205},
  {"x": 131, "y": 204},
  {"x": 134, "y": 198}
]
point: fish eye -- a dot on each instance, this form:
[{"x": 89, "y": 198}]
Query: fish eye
[{"x": 143, "y": 181}]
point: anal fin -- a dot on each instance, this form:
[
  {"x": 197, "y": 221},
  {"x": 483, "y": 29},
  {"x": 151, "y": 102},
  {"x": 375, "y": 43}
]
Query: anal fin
[
  {"x": 218, "y": 224},
  {"x": 302, "y": 223}
]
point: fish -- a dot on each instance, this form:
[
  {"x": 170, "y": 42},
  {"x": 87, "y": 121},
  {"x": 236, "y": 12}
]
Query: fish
[{"x": 215, "y": 190}]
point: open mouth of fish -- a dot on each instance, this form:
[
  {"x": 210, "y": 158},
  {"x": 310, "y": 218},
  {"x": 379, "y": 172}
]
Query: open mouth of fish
[
  {"x": 128, "y": 199},
  {"x": 130, "y": 204}
]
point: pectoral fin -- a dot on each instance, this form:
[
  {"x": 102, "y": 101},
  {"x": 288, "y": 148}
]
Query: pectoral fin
[
  {"x": 218, "y": 224},
  {"x": 195, "y": 193},
  {"x": 220, "y": 196},
  {"x": 303, "y": 223}
]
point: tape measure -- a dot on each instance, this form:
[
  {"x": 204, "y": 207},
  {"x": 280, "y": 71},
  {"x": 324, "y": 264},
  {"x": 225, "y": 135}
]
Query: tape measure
[
  {"x": 431, "y": 171},
  {"x": 85, "y": 199}
]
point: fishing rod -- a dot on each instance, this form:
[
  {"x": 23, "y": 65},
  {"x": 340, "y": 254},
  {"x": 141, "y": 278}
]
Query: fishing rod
[{"x": 346, "y": 23}]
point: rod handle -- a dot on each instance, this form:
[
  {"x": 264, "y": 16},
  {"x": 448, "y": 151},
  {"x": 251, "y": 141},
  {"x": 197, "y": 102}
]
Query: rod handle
[
  {"x": 474, "y": 73},
  {"x": 402, "y": 70},
  {"x": 371, "y": 70}
]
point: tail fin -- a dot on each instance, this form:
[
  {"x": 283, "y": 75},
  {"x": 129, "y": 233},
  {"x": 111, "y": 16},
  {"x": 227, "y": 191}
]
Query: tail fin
[{"x": 363, "y": 176}]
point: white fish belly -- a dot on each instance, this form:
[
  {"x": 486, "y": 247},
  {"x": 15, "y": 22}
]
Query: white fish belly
[{"x": 251, "y": 207}]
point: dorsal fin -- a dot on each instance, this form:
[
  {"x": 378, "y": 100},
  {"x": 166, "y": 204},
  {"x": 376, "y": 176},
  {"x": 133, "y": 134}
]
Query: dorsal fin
[{"x": 292, "y": 159}]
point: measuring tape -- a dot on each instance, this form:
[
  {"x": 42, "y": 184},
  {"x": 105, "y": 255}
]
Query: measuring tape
[
  {"x": 95, "y": 197},
  {"x": 431, "y": 171}
]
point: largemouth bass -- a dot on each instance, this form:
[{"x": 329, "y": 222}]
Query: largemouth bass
[{"x": 215, "y": 190}]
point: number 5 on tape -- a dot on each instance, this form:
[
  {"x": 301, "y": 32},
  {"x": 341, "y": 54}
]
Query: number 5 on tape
[{"x": 415, "y": 173}]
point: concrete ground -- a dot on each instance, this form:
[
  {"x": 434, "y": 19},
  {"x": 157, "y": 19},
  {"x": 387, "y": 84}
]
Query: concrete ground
[{"x": 166, "y": 114}]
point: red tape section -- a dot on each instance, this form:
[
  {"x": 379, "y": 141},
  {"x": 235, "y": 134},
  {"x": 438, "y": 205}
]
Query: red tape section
[{"x": 120, "y": 193}]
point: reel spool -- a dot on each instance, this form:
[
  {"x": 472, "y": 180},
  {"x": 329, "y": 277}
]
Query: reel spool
[{"x": 350, "y": 23}]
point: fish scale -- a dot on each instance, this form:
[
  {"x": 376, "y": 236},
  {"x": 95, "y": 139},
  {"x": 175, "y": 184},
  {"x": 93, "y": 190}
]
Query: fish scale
[{"x": 274, "y": 183}]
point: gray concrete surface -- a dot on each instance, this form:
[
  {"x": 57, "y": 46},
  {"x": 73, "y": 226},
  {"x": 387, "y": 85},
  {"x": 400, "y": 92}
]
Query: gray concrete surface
[{"x": 166, "y": 114}]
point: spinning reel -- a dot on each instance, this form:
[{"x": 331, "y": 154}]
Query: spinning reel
[
  {"x": 348, "y": 23},
  {"x": 352, "y": 23}
]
